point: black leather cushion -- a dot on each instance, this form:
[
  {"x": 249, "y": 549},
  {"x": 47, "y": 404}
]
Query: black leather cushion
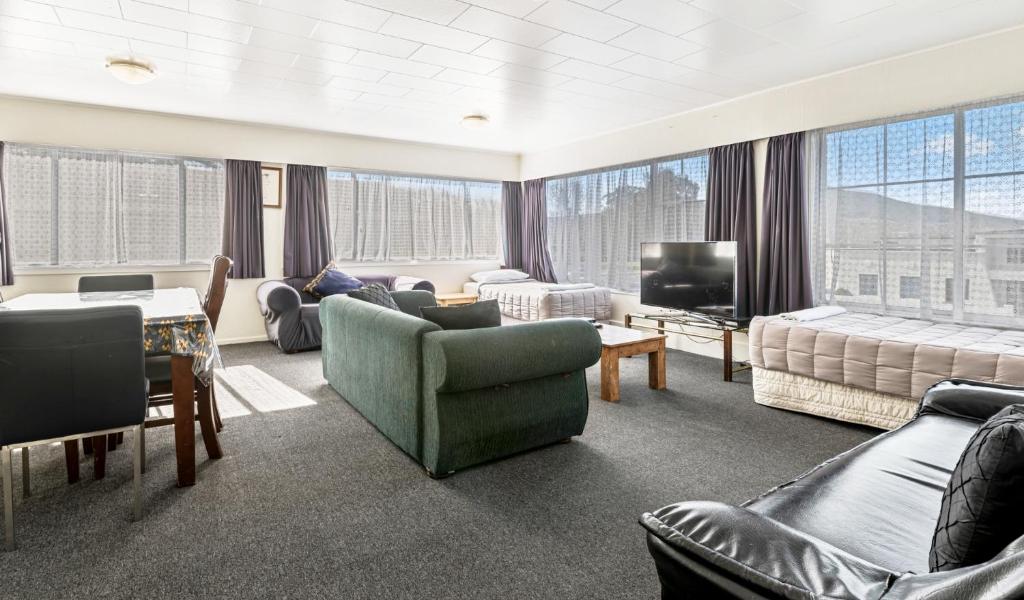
[
  {"x": 982, "y": 508},
  {"x": 375, "y": 293},
  {"x": 485, "y": 313}
]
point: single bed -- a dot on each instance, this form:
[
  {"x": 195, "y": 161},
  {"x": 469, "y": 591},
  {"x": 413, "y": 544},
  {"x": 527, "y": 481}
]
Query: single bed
[
  {"x": 870, "y": 369},
  {"x": 532, "y": 300}
]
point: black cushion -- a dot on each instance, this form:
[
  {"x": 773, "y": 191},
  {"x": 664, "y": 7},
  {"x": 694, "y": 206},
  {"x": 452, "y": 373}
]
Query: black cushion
[
  {"x": 982, "y": 507},
  {"x": 375, "y": 293},
  {"x": 485, "y": 313}
]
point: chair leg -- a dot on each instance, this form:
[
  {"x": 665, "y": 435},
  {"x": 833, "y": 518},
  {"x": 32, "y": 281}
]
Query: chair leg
[
  {"x": 87, "y": 445},
  {"x": 120, "y": 438},
  {"x": 216, "y": 411},
  {"x": 8, "y": 476},
  {"x": 26, "y": 475},
  {"x": 99, "y": 458},
  {"x": 142, "y": 445},
  {"x": 111, "y": 442},
  {"x": 206, "y": 425},
  {"x": 137, "y": 473},
  {"x": 71, "y": 458}
]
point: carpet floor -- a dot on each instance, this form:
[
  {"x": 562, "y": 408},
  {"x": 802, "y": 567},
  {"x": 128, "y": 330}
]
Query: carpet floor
[{"x": 310, "y": 501}]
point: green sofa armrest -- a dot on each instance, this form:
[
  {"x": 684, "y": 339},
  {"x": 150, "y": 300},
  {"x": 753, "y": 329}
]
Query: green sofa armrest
[
  {"x": 472, "y": 359},
  {"x": 410, "y": 301}
]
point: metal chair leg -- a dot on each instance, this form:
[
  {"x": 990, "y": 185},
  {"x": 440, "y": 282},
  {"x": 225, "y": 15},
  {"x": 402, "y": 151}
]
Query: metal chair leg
[
  {"x": 137, "y": 474},
  {"x": 26, "y": 477},
  {"x": 8, "y": 475}
]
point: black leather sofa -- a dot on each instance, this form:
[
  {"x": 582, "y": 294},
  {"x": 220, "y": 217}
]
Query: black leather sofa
[
  {"x": 292, "y": 316},
  {"x": 858, "y": 526}
]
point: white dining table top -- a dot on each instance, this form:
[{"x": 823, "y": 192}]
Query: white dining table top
[{"x": 155, "y": 304}]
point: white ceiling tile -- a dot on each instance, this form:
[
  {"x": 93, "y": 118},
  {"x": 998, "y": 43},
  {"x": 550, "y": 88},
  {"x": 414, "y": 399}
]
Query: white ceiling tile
[
  {"x": 752, "y": 14},
  {"x": 584, "y": 49},
  {"x": 589, "y": 71},
  {"x": 671, "y": 16},
  {"x": 837, "y": 12},
  {"x": 503, "y": 27},
  {"x": 419, "y": 83},
  {"x": 442, "y": 12},
  {"x": 455, "y": 60},
  {"x": 310, "y": 77},
  {"x": 158, "y": 51},
  {"x": 257, "y": 16},
  {"x": 528, "y": 75},
  {"x": 520, "y": 55},
  {"x": 357, "y": 85},
  {"x": 336, "y": 11},
  {"x": 397, "y": 65},
  {"x": 653, "y": 68},
  {"x": 23, "y": 9},
  {"x": 339, "y": 69},
  {"x": 621, "y": 95},
  {"x": 244, "y": 51},
  {"x": 727, "y": 37},
  {"x": 175, "y": 19},
  {"x": 579, "y": 20},
  {"x": 343, "y": 35},
  {"x": 649, "y": 42},
  {"x": 109, "y": 8},
  {"x": 514, "y": 8},
  {"x": 430, "y": 33},
  {"x": 596, "y": 4},
  {"x": 56, "y": 32},
  {"x": 473, "y": 79},
  {"x": 118, "y": 27},
  {"x": 667, "y": 90},
  {"x": 175, "y": 4},
  {"x": 264, "y": 38},
  {"x": 27, "y": 42}
]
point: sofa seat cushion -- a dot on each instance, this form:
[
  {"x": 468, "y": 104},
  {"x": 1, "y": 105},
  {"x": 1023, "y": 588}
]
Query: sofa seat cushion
[{"x": 879, "y": 501}]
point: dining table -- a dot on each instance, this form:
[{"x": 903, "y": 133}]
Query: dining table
[{"x": 174, "y": 324}]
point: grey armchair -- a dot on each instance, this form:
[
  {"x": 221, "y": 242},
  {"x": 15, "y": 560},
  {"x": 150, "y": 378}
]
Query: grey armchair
[{"x": 67, "y": 375}]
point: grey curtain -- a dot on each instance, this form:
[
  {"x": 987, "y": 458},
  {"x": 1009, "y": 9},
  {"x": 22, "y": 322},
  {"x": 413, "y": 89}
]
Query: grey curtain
[
  {"x": 536, "y": 259},
  {"x": 784, "y": 281},
  {"x": 730, "y": 214},
  {"x": 512, "y": 220},
  {"x": 307, "y": 233},
  {"x": 6, "y": 251},
  {"x": 243, "y": 218}
]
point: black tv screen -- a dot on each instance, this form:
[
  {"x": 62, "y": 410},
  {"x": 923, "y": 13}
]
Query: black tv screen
[{"x": 697, "y": 277}]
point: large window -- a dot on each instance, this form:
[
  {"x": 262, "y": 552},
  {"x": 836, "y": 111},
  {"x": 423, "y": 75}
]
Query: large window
[
  {"x": 381, "y": 217},
  {"x": 932, "y": 206},
  {"x": 597, "y": 220},
  {"x": 89, "y": 208}
]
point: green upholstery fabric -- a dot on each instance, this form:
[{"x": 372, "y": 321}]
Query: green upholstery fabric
[
  {"x": 410, "y": 301},
  {"x": 451, "y": 399}
]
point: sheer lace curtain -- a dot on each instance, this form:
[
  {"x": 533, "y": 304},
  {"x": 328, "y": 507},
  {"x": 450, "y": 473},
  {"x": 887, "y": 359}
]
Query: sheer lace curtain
[
  {"x": 923, "y": 216},
  {"x": 597, "y": 220}
]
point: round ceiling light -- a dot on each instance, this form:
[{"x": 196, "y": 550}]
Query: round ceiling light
[
  {"x": 475, "y": 121},
  {"x": 131, "y": 70}
]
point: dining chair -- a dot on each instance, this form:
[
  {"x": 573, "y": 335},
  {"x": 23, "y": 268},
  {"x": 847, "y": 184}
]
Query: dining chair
[
  {"x": 158, "y": 368},
  {"x": 115, "y": 283},
  {"x": 67, "y": 375}
]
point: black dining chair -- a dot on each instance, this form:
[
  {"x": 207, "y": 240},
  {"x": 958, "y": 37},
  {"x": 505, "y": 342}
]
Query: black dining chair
[
  {"x": 115, "y": 283},
  {"x": 67, "y": 375}
]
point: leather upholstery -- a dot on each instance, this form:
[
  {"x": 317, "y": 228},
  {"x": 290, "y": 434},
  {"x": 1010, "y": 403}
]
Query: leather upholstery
[
  {"x": 115, "y": 283},
  {"x": 857, "y": 526},
  {"x": 64, "y": 372}
]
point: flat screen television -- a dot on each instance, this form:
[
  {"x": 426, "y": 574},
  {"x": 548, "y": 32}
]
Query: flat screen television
[{"x": 697, "y": 277}]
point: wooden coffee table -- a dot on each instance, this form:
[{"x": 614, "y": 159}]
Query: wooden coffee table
[
  {"x": 617, "y": 342},
  {"x": 455, "y": 299}
]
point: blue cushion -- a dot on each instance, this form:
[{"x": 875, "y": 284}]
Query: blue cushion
[{"x": 335, "y": 282}]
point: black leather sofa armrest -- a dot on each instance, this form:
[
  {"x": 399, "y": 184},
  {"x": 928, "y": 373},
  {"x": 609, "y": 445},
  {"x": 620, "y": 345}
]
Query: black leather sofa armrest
[
  {"x": 1001, "y": 578},
  {"x": 966, "y": 399},
  {"x": 277, "y": 297},
  {"x": 763, "y": 556}
]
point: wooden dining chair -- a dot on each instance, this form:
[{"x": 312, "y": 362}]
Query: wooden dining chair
[{"x": 158, "y": 368}]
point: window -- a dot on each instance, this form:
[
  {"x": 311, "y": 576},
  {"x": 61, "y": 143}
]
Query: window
[
  {"x": 597, "y": 220},
  {"x": 868, "y": 285},
  {"x": 72, "y": 207},
  {"x": 934, "y": 205},
  {"x": 381, "y": 217}
]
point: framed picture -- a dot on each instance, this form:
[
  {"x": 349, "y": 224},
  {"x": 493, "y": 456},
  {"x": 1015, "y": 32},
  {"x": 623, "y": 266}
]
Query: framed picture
[{"x": 271, "y": 186}]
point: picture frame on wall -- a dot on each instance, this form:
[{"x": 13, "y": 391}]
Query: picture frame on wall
[{"x": 272, "y": 190}]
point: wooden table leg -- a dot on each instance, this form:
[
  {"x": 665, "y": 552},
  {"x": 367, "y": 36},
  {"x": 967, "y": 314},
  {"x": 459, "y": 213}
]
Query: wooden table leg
[
  {"x": 609, "y": 375},
  {"x": 727, "y": 355},
  {"x": 99, "y": 456},
  {"x": 183, "y": 391},
  {"x": 204, "y": 400},
  {"x": 71, "y": 458},
  {"x": 656, "y": 368}
]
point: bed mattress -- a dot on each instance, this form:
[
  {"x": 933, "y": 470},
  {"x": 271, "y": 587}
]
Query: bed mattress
[
  {"x": 888, "y": 355},
  {"x": 531, "y": 300}
]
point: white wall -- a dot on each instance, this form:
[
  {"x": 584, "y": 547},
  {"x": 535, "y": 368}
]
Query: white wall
[
  {"x": 41, "y": 122},
  {"x": 977, "y": 69}
]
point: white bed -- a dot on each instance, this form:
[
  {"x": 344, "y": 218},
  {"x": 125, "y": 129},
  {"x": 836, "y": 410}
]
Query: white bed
[{"x": 532, "y": 300}]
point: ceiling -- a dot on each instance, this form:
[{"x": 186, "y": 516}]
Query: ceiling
[{"x": 545, "y": 72}]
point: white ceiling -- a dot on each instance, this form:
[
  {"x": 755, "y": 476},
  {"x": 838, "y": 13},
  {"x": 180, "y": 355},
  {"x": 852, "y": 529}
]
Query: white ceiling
[{"x": 545, "y": 71}]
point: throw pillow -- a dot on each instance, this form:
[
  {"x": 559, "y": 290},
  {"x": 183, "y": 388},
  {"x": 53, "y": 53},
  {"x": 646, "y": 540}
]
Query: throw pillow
[
  {"x": 981, "y": 508},
  {"x": 375, "y": 293},
  {"x": 335, "y": 282},
  {"x": 485, "y": 313},
  {"x": 311, "y": 286}
]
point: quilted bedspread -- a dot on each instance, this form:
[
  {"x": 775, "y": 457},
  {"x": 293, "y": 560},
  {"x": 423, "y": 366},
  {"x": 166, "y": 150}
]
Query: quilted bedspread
[
  {"x": 532, "y": 301},
  {"x": 891, "y": 355}
]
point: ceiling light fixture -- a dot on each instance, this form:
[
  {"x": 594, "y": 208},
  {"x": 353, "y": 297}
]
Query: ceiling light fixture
[
  {"x": 475, "y": 121},
  {"x": 131, "y": 70}
]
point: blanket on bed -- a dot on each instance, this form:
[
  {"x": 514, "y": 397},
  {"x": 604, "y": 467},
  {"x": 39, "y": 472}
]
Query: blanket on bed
[{"x": 532, "y": 300}]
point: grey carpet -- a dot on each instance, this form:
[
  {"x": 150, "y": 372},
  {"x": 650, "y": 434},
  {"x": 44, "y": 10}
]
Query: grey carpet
[{"x": 312, "y": 502}]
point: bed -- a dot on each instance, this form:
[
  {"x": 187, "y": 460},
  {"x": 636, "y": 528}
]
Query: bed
[
  {"x": 532, "y": 300},
  {"x": 870, "y": 369}
]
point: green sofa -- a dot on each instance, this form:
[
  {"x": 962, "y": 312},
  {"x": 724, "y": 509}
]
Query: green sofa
[{"x": 451, "y": 399}]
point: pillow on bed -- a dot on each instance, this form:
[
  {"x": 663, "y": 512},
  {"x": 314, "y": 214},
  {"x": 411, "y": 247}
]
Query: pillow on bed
[{"x": 498, "y": 275}]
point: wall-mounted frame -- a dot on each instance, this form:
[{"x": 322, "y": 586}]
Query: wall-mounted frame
[{"x": 272, "y": 186}]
